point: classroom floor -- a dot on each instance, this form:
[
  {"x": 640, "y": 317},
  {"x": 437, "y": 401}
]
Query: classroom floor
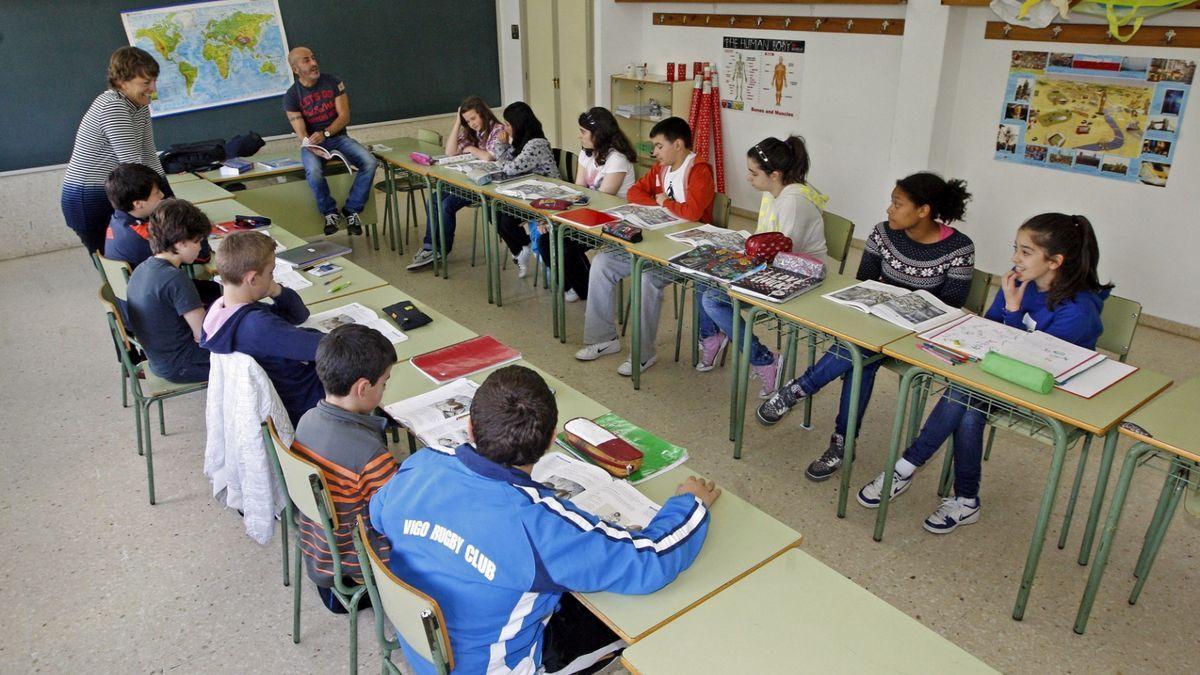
[{"x": 96, "y": 576}]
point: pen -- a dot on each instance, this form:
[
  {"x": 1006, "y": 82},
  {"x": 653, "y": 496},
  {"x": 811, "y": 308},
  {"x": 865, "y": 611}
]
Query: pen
[
  {"x": 335, "y": 278},
  {"x": 220, "y": 227},
  {"x": 339, "y": 287},
  {"x": 936, "y": 355}
]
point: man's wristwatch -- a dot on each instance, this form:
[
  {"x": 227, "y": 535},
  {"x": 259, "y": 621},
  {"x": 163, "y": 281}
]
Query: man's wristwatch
[{"x": 327, "y": 134}]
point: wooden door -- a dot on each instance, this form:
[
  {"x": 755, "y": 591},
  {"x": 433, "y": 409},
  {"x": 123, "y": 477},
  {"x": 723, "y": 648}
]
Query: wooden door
[
  {"x": 541, "y": 69},
  {"x": 575, "y": 93}
]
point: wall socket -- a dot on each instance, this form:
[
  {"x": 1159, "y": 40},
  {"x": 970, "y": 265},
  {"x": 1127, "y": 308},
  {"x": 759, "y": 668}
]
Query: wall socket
[{"x": 516, "y": 32}]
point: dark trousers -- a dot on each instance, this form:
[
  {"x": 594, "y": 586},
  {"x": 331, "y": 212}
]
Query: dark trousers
[
  {"x": 956, "y": 414},
  {"x": 572, "y": 632},
  {"x": 87, "y": 212},
  {"x": 576, "y": 268},
  {"x": 512, "y": 230}
]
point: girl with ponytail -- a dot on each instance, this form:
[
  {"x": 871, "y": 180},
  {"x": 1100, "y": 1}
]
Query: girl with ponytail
[
  {"x": 916, "y": 249},
  {"x": 1052, "y": 287}
]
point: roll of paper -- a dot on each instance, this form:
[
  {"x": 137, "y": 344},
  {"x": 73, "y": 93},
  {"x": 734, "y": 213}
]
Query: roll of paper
[{"x": 1023, "y": 374}]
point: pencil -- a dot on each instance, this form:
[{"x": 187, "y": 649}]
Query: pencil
[{"x": 335, "y": 278}]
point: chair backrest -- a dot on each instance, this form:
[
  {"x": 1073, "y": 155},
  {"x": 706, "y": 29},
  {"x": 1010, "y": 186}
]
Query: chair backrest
[
  {"x": 428, "y": 136},
  {"x": 116, "y": 273},
  {"x": 1120, "y": 317},
  {"x": 839, "y": 232},
  {"x": 95, "y": 256},
  {"x": 121, "y": 336},
  {"x": 302, "y": 479},
  {"x": 416, "y": 616},
  {"x": 977, "y": 296},
  {"x": 566, "y": 161},
  {"x": 721, "y": 207}
]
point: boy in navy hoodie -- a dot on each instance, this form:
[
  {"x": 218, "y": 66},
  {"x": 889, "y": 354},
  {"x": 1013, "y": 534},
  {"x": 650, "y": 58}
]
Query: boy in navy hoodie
[{"x": 238, "y": 322}]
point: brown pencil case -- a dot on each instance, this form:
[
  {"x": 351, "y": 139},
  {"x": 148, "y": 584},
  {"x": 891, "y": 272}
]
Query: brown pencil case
[{"x": 610, "y": 452}]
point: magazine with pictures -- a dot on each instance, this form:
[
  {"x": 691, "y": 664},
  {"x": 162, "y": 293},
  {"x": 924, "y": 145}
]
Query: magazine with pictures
[
  {"x": 592, "y": 489},
  {"x": 354, "y": 313},
  {"x": 915, "y": 310},
  {"x": 716, "y": 263},
  {"x": 775, "y": 284},
  {"x": 532, "y": 188},
  {"x": 325, "y": 153},
  {"x": 733, "y": 240},
  {"x": 658, "y": 455},
  {"x": 646, "y": 217},
  {"x": 289, "y": 277},
  {"x": 437, "y": 418}
]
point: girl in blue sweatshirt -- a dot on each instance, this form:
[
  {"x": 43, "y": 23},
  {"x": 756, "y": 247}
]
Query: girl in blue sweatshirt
[{"x": 1053, "y": 287}]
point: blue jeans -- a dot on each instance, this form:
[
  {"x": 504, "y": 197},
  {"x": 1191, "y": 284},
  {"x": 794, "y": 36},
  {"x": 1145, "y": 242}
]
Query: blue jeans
[
  {"x": 834, "y": 364},
  {"x": 360, "y": 158},
  {"x": 449, "y": 208},
  {"x": 952, "y": 416},
  {"x": 716, "y": 314}
]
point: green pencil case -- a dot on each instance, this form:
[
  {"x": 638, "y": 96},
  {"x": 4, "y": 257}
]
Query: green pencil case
[{"x": 1023, "y": 374}]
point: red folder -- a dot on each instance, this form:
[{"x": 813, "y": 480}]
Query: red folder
[
  {"x": 464, "y": 358},
  {"x": 588, "y": 217}
]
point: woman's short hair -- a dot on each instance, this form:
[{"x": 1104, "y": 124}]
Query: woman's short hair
[{"x": 129, "y": 62}]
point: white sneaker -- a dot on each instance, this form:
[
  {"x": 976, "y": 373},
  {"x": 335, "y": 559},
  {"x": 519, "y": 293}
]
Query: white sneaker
[
  {"x": 423, "y": 258},
  {"x": 571, "y": 296},
  {"x": 522, "y": 261},
  {"x": 953, "y": 512},
  {"x": 626, "y": 369},
  {"x": 593, "y": 352},
  {"x": 871, "y": 492}
]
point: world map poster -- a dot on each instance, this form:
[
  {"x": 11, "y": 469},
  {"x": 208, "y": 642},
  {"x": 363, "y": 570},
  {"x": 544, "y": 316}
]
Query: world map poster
[
  {"x": 1112, "y": 116},
  {"x": 212, "y": 53}
]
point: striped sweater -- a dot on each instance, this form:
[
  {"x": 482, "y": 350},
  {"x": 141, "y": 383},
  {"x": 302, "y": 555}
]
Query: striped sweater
[
  {"x": 942, "y": 268},
  {"x": 114, "y": 130},
  {"x": 350, "y": 450}
]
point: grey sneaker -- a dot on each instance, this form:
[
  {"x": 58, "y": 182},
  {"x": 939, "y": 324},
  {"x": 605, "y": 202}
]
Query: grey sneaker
[
  {"x": 354, "y": 224},
  {"x": 421, "y": 259},
  {"x": 869, "y": 495},
  {"x": 777, "y": 405},
  {"x": 332, "y": 221},
  {"x": 828, "y": 463},
  {"x": 953, "y": 512}
]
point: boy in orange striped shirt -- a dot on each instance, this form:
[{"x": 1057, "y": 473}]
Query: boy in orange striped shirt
[{"x": 343, "y": 436}]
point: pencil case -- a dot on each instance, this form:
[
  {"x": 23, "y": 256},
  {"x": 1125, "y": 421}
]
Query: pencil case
[
  {"x": 421, "y": 158},
  {"x": 624, "y": 231},
  {"x": 1022, "y": 374},
  {"x": 610, "y": 452}
]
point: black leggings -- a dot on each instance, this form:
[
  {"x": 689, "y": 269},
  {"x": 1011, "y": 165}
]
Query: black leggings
[
  {"x": 576, "y": 267},
  {"x": 512, "y": 231}
]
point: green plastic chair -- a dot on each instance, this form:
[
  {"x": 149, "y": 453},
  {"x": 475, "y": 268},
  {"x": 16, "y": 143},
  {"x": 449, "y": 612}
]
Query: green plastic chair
[
  {"x": 409, "y": 184},
  {"x": 567, "y": 162},
  {"x": 839, "y": 232},
  {"x": 147, "y": 387},
  {"x": 977, "y": 296},
  {"x": 116, "y": 273},
  {"x": 307, "y": 494},
  {"x": 416, "y": 616}
]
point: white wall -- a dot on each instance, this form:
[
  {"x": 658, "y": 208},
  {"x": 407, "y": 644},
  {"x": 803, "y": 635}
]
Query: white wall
[{"x": 512, "y": 69}]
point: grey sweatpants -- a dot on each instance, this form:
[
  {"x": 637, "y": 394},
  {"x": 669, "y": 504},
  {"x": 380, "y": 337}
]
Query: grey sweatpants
[{"x": 600, "y": 317}]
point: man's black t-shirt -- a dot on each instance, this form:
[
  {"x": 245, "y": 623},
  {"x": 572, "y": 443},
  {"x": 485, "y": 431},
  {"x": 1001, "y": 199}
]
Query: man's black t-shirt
[{"x": 315, "y": 103}]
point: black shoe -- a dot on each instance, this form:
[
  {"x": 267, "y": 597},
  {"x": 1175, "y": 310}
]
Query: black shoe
[
  {"x": 354, "y": 225},
  {"x": 774, "y": 408},
  {"x": 331, "y": 223},
  {"x": 827, "y": 464}
]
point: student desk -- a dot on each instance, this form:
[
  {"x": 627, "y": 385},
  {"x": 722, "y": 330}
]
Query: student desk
[
  {"x": 293, "y": 206},
  {"x": 199, "y": 191},
  {"x": 821, "y": 320},
  {"x": 224, "y": 210},
  {"x": 1167, "y": 428},
  {"x": 396, "y": 163},
  {"x": 1053, "y": 413},
  {"x": 355, "y": 279},
  {"x": 796, "y": 614},
  {"x": 174, "y": 179},
  {"x": 740, "y": 539},
  {"x": 258, "y": 172}
]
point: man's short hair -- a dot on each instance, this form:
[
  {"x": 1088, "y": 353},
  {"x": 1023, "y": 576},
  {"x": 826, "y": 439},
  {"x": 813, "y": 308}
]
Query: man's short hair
[
  {"x": 513, "y": 416},
  {"x": 242, "y": 253},
  {"x": 175, "y": 221},
  {"x": 673, "y": 129},
  {"x": 352, "y": 352},
  {"x": 129, "y": 183},
  {"x": 129, "y": 62}
]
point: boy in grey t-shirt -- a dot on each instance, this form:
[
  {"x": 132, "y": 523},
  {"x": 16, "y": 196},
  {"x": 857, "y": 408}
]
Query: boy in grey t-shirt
[{"x": 165, "y": 311}]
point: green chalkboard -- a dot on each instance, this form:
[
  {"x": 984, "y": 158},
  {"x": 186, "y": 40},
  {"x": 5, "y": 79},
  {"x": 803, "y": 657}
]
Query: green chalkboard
[{"x": 398, "y": 58}]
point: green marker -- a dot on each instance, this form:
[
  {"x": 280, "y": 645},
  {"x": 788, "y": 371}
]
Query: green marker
[{"x": 337, "y": 288}]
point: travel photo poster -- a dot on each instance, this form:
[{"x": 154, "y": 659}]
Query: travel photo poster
[{"x": 1117, "y": 117}]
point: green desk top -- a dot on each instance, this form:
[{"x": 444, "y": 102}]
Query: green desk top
[
  {"x": 1095, "y": 415},
  {"x": 1171, "y": 419},
  {"x": 827, "y": 316},
  {"x": 223, "y": 210},
  {"x": 797, "y": 615},
  {"x": 740, "y": 538},
  {"x": 657, "y": 247},
  {"x": 199, "y": 191},
  {"x": 216, "y": 177},
  {"x": 359, "y": 279},
  {"x": 179, "y": 178},
  {"x": 293, "y": 206},
  {"x": 402, "y": 147}
]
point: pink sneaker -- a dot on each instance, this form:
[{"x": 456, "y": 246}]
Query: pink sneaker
[
  {"x": 769, "y": 376},
  {"x": 710, "y": 349}
]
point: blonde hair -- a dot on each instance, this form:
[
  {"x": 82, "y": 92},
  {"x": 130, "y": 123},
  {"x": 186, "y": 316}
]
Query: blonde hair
[{"x": 242, "y": 253}]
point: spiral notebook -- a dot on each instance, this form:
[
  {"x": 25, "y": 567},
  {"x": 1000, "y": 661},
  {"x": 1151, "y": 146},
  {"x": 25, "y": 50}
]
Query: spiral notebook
[{"x": 464, "y": 359}]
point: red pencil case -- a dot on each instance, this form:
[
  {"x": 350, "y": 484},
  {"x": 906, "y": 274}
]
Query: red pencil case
[{"x": 611, "y": 453}]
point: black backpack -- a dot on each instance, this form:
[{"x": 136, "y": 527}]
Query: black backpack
[
  {"x": 244, "y": 145},
  {"x": 198, "y": 156}
]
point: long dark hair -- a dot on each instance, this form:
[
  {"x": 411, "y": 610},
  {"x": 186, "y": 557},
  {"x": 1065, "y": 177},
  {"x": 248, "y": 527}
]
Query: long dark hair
[
  {"x": 1073, "y": 238},
  {"x": 525, "y": 124},
  {"x": 789, "y": 158},
  {"x": 606, "y": 135},
  {"x": 947, "y": 199},
  {"x": 485, "y": 113}
]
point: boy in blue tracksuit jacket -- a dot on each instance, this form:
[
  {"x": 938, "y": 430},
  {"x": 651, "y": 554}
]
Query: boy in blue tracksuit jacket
[
  {"x": 498, "y": 550},
  {"x": 238, "y": 322}
]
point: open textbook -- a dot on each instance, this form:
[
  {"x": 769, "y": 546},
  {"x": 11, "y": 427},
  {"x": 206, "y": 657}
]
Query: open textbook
[
  {"x": 733, "y": 240},
  {"x": 592, "y": 489},
  {"x": 354, "y": 313},
  {"x": 914, "y": 310},
  {"x": 647, "y": 217},
  {"x": 437, "y": 418},
  {"x": 325, "y": 153},
  {"x": 532, "y": 188}
]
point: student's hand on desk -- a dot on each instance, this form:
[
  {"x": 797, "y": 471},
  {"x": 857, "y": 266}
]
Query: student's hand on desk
[
  {"x": 479, "y": 154},
  {"x": 706, "y": 490},
  {"x": 661, "y": 198},
  {"x": 1013, "y": 291},
  {"x": 315, "y": 138}
]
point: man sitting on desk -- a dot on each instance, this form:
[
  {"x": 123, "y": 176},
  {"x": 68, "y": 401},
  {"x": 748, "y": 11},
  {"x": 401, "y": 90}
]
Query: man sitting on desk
[
  {"x": 498, "y": 551},
  {"x": 318, "y": 109}
]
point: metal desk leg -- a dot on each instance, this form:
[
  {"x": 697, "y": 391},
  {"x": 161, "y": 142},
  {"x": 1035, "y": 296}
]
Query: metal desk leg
[
  {"x": 435, "y": 225},
  {"x": 1177, "y": 479},
  {"x": 1043, "y": 519},
  {"x": 635, "y": 311},
  {"x": 490, "y": 214},
  {"x": 734, "y": 351},
  {"x": 495, "y": 246},
  {"x": 1106, "y": 460},
  {"x": 742, "y": 379},
  {"x": 558, "y": 275},
  {"x": 856, "y": 361},
  {"x": 907, "y": 383}
]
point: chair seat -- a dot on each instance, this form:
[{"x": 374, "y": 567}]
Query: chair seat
[
  {"x": 156, "y": 387},
  {"x": 406, "y": 183}
]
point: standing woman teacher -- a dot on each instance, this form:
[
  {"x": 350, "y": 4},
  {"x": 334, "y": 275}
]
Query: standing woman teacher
[{"x": 115, "y": 129}]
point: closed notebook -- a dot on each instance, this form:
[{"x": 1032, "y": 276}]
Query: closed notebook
[
  {"x": 464, "y": 358},
  {"x": 310, "y": 254},
  {"x": 588, "y": 217}
]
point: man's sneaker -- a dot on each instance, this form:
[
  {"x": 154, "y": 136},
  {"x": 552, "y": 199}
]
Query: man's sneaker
[
  {"x": 332, "y": 221},
  {"x": 774, "y": 408},
  {"x": 869, "y": 495},
  {"x": 593, "y": 352},
  {"x": 953, "y": 512},
  {"x": 626, "y": 369},
  {"x": 769, "y": 376},
  {"x": 828, "y": 463},
  {"x": 421, "y": 259},
  {"x": 710, "y": 349},
  {"x": 354, "y": 224},
  {"x": 570, "y": 296},
  {"x": 522, "y": 261}
]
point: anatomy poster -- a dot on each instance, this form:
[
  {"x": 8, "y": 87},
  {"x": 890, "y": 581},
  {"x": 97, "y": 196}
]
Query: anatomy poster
[
  {"x": 1112, "y": 116},
  {"x": 762, "y": 76}
]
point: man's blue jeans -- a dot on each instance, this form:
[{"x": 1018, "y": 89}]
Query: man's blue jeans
[
  {"x": 952, "y": 416},
  {"x": 834, "y": 364},
  {"x": 449, "y": 208},
  {"x": 360, "y": 158},
  {"x": 716, "y": 314}
]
